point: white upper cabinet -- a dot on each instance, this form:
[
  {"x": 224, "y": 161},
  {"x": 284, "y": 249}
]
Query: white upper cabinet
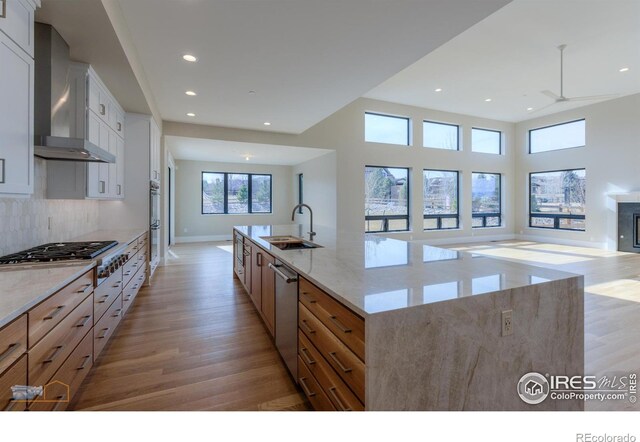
[
  {"x": 154, "y": 152},
  {"x": 16, "y": 96}
]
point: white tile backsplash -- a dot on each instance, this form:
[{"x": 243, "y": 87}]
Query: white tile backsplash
[{"x": 24, "y": 222}]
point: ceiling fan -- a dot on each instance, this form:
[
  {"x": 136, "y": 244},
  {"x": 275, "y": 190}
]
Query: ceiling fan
[{"x": 562, "y": 98}]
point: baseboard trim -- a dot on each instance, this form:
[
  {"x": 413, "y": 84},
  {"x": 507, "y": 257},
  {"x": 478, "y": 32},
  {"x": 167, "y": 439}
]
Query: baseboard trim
[
  {"x": 469, "y": 239},
  {"x": 562, "y": 241},
  {"x": 205, "y": 238}
]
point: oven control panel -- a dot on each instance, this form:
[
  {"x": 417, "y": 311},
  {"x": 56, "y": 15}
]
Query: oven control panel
[{"x": 110, "y": 265}]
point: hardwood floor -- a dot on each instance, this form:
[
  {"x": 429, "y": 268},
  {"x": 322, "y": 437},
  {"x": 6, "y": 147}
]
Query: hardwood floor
[
  {"x": 191, "y": 341},
  {"x": 612, "y": 302}
]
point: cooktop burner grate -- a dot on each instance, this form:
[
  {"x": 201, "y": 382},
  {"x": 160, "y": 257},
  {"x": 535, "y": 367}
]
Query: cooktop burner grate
[{"x": 59, "y": 252}]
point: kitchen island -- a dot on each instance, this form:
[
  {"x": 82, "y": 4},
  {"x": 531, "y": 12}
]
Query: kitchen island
[{"x": 432, "y": 319}]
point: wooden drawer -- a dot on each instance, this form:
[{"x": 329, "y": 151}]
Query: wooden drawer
[
  {"x": 105, "y": 327},
  {"x": 345, "y": 324},
  {"x": 130, "y": 268},
  {"x": 65, "y": 383},
  {"x": 53, "y": 310},
  {"x": 348, "y": 366},
  {"x": 16, "y": 375},
  {"x": 142, "y": 240},
  {"x": 337, "y": 391},
  {"x": 49, "y": 354},
  {"x": 106, "y": 293},
  {"x": 312, "y": 389},
  {"x": 13, "y": 342},
  {"x": 131, "y": 290}
]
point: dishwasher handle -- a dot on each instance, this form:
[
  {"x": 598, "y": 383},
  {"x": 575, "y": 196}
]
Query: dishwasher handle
[{"x": 287, "y": 278}]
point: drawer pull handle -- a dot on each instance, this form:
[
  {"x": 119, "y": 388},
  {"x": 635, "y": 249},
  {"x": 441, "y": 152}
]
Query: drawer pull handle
[
  {"x": 306, "y": 390},
  {"x": 117, "y": 313},
  {"x": 306, "y": 326},
  {"x": 105, "y": 331},
  {"x": 103, "y": 299},
  {"x": 306, "y": 357},
  {"x": 54, "y": 313},
  {"x": 54, "y": 355},
  {"x": 334, "y": 394},
  {"x": 83, "y": 323},
  {"x": 338, "y": 363},
  {"x": 103, "y": 109},
  {"x": 116, "y": 286},
  {"x": 85, "y": 360},
  {"x": 11, "y": 405},
  {"x": 338, "y": 324},
  {"x": 309, "y": 299},
  {"x": 86, "y": 288},
  {"x": 10, "y": 349}
]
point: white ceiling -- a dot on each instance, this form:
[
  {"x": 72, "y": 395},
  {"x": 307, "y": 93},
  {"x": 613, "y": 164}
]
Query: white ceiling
[
  {"x": 304, "y": 58},
  {"x": 511, "y": 56},
  {"x": 197, "y": 149}
]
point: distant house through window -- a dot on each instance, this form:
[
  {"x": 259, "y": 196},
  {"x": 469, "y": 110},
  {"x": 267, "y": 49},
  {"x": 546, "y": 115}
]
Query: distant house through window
[
  {"x": 440, "y": 195},
  {"x": 235, "y": 193},
  {"x": 386, "y": 199},
  {"x": 486, "y": 200},
  {"x": 388, "y": 129},
  {"x": 557, "y": 199}
]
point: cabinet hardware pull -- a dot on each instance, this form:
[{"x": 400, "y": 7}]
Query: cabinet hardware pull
[
  {"x": 84, "y": 362},
  {"x": 309, "y": 299},
  {"x": 86, "y": 288},
  {"x": 104, "y": 299},
  {"x": 307, "y": 358},
  {"x": 119, "y": 127},
  {"x": 119, "y": 189},
  {"x": 306, "y": 326},
  {"x": 3, "y": 13},
  {"x": 115, "y": 286},
  {"x": 12, "y": 403},
  {"x": 338, "y": 324},
  {"x": 338, "y": 363},
  {"x": 259, "y": 259},
  {"x": 102, "y": 186},
  {"x": 333, "y": 392},
  {"x": 104, "y": 334},
  {"x": 54, "y": 313},
  {"x": 83, "y": 323},
  {"x": 2, "y": 174},
  {"x": 103, "y": 109},
  {"x": 117, "y": 313},
  {"x": 10, "y": 349},
  {"x": 306, "y": 390},
  {"x": 54, "y": 355}
]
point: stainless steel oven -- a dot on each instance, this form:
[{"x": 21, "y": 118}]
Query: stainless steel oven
[{"x": 154, "y": 224}]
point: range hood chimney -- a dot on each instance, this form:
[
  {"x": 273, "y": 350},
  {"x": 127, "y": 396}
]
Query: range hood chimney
[{"x": 52, "y": 116}]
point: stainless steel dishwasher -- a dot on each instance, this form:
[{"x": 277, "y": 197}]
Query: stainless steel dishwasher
[{"x": 287, "y": 315}]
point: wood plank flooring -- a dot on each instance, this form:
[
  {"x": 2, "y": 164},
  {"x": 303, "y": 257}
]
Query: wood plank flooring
[{"x": 191, "y": 341}]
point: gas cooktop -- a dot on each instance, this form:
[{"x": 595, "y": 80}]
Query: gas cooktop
[{"x": 62, "y": 251}]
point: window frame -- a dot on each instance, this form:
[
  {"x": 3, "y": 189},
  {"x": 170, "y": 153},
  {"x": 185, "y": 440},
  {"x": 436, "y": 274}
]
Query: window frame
[
  {"x": 554, "y": 125},
  {"x": 385, "y": 218},
  {"x": 500, "y": 144},
  {"x": 226, "y": 193},
  {"x": 485, "y": 215},
  {"x": 440, "y": 216},
  {"x": 458, "y": 130},
  {"x": 378, "y": 114},
  {"x": 556, "y": 217},
  {"x": 300, "y": 191}
]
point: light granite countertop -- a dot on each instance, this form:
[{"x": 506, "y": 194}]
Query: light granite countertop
[{"x": 373, "y": 274}]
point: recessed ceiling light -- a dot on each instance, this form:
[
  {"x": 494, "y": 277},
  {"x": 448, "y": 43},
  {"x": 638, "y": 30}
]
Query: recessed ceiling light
[
  {"x": 266, "y": 123},
  {"x": 191, "y": 93},
  {"x": 191, "y": 114},
  {"x": 624, "y": 69},
  {"x": 529, "y": 108},
  {"x": 252, "y": 92},
  {"x": 247, "y": 158},
  {"x": 189, "y": 57},
  {"x": 438, "y": 90},
  {"x": 487, "y": 99}
]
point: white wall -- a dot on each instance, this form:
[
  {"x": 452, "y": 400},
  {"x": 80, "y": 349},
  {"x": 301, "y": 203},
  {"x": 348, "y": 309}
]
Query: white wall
[
  {"x": 188, "y": 202},
  {"x": 319, "y": 189},
  {"x": 611, "y": 158}
]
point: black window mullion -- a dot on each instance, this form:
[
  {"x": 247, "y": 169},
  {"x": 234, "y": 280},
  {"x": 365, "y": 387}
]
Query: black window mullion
[
  {"x": 249, "y": 192},
  {"x": 226, "y": 193}
]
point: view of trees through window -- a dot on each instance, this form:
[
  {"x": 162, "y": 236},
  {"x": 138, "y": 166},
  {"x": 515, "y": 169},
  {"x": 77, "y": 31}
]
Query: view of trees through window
[
  {"x": 486, "y": 208},
  {"x": 440, "y": 195},
  {"x": 386, "y": 199},
  {"x": 557, "y": 199},
  {"x": 233, "y": 193}
]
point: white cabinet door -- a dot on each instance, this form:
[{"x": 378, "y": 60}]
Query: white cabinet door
[
  {"x": 120, "y": 169},
  {"x": 16, "y": 119},
  {"x": 17, "y": 23},
  {"x": 154, "y": 153},
  {"x": 113, "y": 167},
  {"x": 97, "y": 173}
]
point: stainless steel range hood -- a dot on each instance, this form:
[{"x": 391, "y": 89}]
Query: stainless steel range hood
[{"x": 52, "y": 113}]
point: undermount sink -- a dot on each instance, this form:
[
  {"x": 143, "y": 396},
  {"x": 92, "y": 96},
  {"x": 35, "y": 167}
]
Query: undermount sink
[{"x": 288, "y": 242}]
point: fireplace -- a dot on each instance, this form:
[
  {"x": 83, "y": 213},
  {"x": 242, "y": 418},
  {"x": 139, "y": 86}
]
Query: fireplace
[{"x": 629, "y": 227}]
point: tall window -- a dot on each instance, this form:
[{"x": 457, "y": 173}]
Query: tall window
[
  {"x": 557, "y": 199},
  {"x": 558, "y": 136},
  {"x": 387, "y": 129},
  {"x": 233, "y": 193},
  {"x": 486, "y": 141},
  {"x": 441, "y": 210},
  {"x": 486, "y": 206},
  {"x": 440, "y": 135},
  {"x": 386, "y": 199}
]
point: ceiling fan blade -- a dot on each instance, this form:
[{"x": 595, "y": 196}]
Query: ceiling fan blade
[
  {"x": 593, "y": 97},
  {"x": 542, "y": 108},
  {"x": 551, "y": 95}
]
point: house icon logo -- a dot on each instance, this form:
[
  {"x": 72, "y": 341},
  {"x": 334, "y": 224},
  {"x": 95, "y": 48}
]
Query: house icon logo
[{"x": 533, "y": 388}]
